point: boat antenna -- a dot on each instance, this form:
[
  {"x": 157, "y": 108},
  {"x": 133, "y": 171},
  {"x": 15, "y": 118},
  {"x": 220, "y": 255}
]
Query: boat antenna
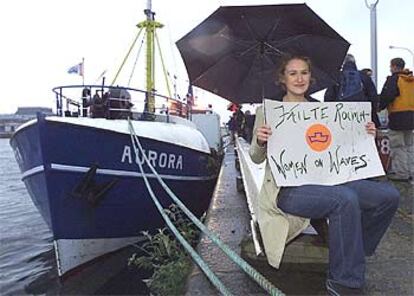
[{"x": 150, "y": 26}]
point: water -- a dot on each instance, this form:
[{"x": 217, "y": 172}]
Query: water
[
  {"x": 26, "y": 250},
  {"x": 27, "y": 259}
]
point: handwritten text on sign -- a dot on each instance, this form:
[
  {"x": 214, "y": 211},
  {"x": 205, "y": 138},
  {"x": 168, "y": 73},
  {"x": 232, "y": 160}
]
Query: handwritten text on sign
[{"x": 320, "y": 143}]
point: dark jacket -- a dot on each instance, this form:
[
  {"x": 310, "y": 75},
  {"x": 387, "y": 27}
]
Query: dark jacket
[
  {"x": 398, "y": 120},
  {"x": 367, "y": 93}
]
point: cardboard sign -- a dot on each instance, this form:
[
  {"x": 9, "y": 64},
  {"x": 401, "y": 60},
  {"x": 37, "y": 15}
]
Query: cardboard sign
[{"x": 320, "y": 143}]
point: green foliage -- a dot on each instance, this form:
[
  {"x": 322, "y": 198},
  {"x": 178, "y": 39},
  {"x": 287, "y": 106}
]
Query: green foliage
[
  {"x": 164, "y": 255},
  {"x": 170, "y": 279},
  {"x": 187, "y": 229},
  {"x": 159, "y": 249}
]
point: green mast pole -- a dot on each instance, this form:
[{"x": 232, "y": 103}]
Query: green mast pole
[{"x": 150, "y": 26}]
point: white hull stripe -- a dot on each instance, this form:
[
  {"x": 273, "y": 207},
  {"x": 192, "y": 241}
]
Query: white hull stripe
[
  {"x": 33, "y": 171},
  {"x": 80, "y": 169},
  {"x": 70, "y": 253}
]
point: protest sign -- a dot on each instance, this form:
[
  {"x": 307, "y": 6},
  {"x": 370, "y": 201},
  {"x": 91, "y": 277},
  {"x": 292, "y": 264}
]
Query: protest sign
[{"x": 320, "y": 143}]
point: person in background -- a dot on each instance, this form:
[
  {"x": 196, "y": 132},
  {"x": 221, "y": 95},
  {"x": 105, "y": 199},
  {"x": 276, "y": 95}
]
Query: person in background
[
  {"x": 163, "y": 109},
  {"x": 232, "y": 125},
  {"x": 354, "y": 86},
  {"x": 97, "y": 106},
  {"x": 359, "y": 212},
  {"x": 86, "y": 97},
  {"x": 248, "y": 128},
  {"x": 240, "y": 121},
  {"x": 367, "y": 71},
  {"x": 397, "y": 96}
]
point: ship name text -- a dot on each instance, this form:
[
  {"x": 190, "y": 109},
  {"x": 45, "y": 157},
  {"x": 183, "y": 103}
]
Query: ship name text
[{"x": 157, "y": 159}]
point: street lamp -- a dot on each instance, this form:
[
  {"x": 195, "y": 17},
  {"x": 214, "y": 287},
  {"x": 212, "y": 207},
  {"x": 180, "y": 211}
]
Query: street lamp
[
  {"x": 406, "y": 49},
  {"x": 373, "y": 13}
]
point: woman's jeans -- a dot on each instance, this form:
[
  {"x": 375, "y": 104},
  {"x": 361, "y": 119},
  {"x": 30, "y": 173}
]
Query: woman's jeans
[{"x": 359, "y": 213}]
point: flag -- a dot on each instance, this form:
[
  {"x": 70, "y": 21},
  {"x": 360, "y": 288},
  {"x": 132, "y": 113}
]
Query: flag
[{"x": 76, "y": 69}]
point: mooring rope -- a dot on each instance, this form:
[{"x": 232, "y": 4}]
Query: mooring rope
[
  {"x": 204, "y": 267},
  {"x": 246, "y": 267}
]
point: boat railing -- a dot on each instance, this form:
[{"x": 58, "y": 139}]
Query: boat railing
[{"x": 112, "y": 102}]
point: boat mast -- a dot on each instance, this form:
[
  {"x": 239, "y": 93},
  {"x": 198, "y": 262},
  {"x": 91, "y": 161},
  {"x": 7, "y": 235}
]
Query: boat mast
[{"x": 150, "y": 26}]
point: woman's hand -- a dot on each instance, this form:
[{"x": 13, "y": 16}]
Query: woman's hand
[
  {"x": 263, "y": 133},
  {"x": 370, "y": 128}
]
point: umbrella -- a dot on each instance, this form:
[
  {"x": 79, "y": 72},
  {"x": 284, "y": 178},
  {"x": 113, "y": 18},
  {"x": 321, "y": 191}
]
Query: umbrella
[{"x": 235, "y": 52}]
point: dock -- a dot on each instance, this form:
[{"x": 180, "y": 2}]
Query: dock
[{"x": 303, "y": 270}]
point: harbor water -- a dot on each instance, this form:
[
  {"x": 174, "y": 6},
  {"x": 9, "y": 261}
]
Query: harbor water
[
  {"x": 27, "y": 258},
  {"x": 27, "y": 264}
]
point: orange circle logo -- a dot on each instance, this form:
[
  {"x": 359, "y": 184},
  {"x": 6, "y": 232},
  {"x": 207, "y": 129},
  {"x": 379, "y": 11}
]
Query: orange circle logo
[{"x": 318, "y": 137}]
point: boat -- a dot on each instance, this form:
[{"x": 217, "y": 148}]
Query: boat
[{"x": 80, "y": 167}]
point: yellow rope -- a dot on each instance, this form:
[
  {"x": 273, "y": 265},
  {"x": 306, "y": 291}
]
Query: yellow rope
[
  {"x": 163, "y": 66},
  {"x": 126, "y": 57}
]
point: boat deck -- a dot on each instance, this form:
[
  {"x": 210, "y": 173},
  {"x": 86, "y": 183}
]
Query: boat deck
[{"x": 303, "y": 269}]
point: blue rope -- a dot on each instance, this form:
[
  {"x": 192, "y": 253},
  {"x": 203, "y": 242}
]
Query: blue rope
[{"x": 254, "y": 274}]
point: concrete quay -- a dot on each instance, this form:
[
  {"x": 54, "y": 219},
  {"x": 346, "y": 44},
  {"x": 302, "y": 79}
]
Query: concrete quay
[{"x": 303, "y": 270}]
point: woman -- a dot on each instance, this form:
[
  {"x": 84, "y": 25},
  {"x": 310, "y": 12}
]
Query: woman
[{"x": 359, "y": 212}]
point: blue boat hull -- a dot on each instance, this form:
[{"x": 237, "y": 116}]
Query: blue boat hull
[{"x": 55, "y": 159}]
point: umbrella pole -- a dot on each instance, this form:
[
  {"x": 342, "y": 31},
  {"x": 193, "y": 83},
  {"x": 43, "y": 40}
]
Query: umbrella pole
[{"x": 262, "y": 90}]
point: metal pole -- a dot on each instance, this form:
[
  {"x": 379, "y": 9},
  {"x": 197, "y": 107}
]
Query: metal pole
[
  {"x": 373, "y": 16},
  {"x": 150, "y": 26},
  {"x": 83, "y": 71},
  {"x": 406, "y": 49}
]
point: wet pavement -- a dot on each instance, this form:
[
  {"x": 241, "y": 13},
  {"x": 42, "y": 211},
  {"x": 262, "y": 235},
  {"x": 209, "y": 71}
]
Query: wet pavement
[
  {"x": 303, "y": 270},
  {"x": 228, "y": 217}
]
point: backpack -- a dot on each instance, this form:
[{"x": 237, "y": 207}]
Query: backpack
[
  {"x": 405, "y": 101},
  {"x": 351, "y": 87}
]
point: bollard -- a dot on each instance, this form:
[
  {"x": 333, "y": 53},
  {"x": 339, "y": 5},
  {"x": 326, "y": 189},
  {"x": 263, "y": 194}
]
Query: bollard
[{"x": 239, "y": 184}]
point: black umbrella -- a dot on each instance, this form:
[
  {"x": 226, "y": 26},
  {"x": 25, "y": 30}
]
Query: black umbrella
[{"x": 235, "y": 52}]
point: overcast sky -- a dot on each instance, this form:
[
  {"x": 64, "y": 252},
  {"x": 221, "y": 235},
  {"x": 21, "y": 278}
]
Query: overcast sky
[{"x": 41, "y": 39}]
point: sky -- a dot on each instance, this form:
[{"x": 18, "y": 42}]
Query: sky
[{"x": 41, "y": 39}]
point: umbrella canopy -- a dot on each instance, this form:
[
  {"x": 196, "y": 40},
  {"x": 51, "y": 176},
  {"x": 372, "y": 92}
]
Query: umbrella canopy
[{"x": 235, "y": 52}]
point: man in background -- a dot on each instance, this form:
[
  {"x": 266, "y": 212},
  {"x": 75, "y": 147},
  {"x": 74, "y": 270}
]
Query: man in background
[
  {"x": 367, "y": 71},
  {"x": 354, "y": 86},
  {"x": 397, "y": 96},
  {"x": 248, "y": 128}
]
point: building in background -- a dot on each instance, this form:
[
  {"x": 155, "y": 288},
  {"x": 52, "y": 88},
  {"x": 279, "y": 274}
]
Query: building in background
[{"x": 10, "y": 122}]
